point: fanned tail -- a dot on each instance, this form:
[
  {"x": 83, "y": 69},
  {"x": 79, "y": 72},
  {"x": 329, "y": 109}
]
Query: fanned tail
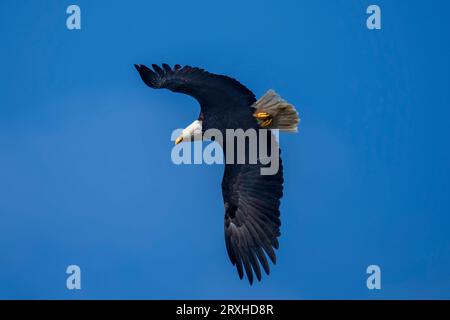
[{"x": 274, "y": 112}]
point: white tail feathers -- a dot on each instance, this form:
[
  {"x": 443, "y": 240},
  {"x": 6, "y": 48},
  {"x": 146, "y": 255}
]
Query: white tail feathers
[{"x": 283, "y": 115}]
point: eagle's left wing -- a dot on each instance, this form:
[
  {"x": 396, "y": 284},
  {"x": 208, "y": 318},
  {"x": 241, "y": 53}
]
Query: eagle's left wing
[{"x": 214, "y": 92}]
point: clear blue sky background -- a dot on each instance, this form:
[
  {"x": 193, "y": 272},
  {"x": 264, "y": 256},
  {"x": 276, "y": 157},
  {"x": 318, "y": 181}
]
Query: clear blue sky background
[{"x": 85, "y": 170}]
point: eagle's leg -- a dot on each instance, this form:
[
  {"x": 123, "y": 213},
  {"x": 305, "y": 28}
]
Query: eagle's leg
[
  {"x": 271, "y": 111},
  {"x": 267, "y": 123},
  {"x": 265, "y": 119},
  {"x": 261, "y": 115}
]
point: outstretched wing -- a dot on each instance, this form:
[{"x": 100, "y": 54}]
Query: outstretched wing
[
  {"x": 252, "y": 217},
  {"x": 213, "y": 92}
]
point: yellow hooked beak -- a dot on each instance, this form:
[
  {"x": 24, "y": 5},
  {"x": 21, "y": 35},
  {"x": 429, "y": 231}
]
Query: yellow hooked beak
[{"x": 179, "y": 139}]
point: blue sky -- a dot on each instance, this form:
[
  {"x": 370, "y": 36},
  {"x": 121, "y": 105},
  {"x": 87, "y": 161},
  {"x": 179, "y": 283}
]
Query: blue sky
[{"x": 85, "y": 170}]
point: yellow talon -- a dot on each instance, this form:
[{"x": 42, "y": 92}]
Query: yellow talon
[
  {"x": 179, "y": 139},
  {"x": 266, "y": 123},
  {"x": 262, "y": 115}
]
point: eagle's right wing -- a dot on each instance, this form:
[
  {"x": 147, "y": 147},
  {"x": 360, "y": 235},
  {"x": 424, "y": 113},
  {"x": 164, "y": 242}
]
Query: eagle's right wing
[{"x": 252, "y": 215}]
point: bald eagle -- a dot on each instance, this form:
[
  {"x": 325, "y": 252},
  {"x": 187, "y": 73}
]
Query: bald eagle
[{"x": 251, "y": 200}]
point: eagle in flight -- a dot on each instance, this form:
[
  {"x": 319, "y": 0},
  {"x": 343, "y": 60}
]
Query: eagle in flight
[{"x": 251, "y": 199}]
